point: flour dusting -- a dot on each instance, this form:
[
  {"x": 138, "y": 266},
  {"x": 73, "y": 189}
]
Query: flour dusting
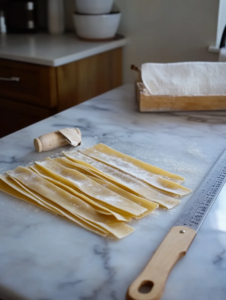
[{"x": 143, "y": 189}]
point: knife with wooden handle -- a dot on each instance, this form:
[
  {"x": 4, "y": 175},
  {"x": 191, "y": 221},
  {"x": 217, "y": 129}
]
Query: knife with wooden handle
[{"x": 150, "y": 284}]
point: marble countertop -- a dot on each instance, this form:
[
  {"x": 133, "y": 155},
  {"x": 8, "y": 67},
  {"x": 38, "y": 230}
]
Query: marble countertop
[
  {"x": 52, "y": 50},
  {"x": 46, "y": 257}
]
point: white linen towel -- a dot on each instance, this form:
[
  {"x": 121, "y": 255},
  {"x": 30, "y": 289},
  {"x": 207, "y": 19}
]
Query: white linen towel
[{"x": 185, "y": 78}]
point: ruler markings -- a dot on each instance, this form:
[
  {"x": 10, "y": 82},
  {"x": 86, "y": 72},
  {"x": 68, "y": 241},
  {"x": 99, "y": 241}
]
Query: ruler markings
[{"x": 200, "y": 203}]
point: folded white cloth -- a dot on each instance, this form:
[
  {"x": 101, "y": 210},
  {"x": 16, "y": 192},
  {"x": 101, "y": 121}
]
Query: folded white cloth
[{"x": 185, "y": 79}]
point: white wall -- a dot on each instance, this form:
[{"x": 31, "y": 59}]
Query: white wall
[{"x": 164, "y": 30}]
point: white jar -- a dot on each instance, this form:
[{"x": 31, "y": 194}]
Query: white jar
[{"x": 55, "y": 16}]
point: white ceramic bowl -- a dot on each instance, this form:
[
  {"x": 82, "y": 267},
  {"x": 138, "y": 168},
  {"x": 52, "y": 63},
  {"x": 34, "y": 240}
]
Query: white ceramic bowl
[
  {"x": 93, "y": 6},
  {"x": 96, "y": 27}
]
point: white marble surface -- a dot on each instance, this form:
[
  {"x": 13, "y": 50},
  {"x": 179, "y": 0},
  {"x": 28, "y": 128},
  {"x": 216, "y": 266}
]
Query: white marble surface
[
  {"x": 45, "y": 257},
  {"x": 52, "y": 50}
]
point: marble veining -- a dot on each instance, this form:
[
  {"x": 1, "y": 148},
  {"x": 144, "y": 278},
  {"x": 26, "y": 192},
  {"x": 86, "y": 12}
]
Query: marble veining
[{"x": 45, "y": 257}]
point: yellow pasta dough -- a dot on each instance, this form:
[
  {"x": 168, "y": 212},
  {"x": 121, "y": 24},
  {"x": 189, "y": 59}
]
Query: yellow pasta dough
[
  {"x": 150, "y": 206},
  {"x": 135, "y": 168},
  {"x": 14, "y": 188},
  {"x": 9, "y": 186},
  {"x": 138, "y": 163},
  {"x": 122, "y": 180},
  {"x": 69, "y": 202},
  {"x": 95, "y": 190},
  {"x": 81, "y": 168},
  {"x": 69, "y": 187}
]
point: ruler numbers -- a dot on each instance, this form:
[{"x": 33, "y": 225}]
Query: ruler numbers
[{"x": 200, "y": 203}]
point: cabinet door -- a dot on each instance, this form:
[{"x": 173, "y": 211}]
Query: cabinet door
[
  {"x": 28, "y": 83},
  {"x": 15, "y": 116},
  {"x": 89, "y": 77}
]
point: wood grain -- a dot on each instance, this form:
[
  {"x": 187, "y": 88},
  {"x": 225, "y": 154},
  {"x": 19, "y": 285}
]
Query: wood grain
[
  {"x": 37, "y": 83},
  {"x": 151, "y": 103},
  {"x": 49, "y": 141},
  {"x": 89, "y": 77},
  {"x": 155, "y": 274},
  {"x": 15, "y": 115},
  {"x": 44, "y": 90}
]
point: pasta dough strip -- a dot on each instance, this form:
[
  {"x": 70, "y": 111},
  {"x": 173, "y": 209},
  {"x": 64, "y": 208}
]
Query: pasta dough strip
[
  {"x": 150, "y": 206},
  {"x": 97, "y": 188},
  {"x": 122, "y": 180},
  {"x": 13, "y": 188},
  {"x": 65, "y": 184},
  {"x": 60, "y": 211},
  {"x": 129, "y": 168},
  {"x": 70, "y": 203},
  {"x": 91, "y": 188},
  {"x": 10, "y": 187},
  {"x": 138, "y": 163}
]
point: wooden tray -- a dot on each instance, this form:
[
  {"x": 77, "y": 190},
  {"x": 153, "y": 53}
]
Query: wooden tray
[{"x": 150, "y": 103}]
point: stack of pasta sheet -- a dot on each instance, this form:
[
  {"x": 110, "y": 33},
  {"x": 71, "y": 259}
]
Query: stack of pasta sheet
[{"x": 98, "y": 188}]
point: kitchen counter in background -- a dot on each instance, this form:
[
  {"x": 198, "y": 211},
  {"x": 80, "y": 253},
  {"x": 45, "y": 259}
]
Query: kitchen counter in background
[
  {"x": 52, "y": 50},
  {"x": 46, "y": 257},
  {"x": 54, "y": 73}
]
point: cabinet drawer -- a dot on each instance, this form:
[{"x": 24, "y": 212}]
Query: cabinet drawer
[
  {"x": 36, "y": 84},
  {"x": 15, "y": 115}
]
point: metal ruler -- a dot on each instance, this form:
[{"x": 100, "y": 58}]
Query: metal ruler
[{"x": 200, "y": 203}]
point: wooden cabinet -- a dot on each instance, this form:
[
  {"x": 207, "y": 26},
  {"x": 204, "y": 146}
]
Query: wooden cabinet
[
  {"x": 15, "y": 115},
  {"x": 36, "y": 84},
  {"x": 89, "y": 77},
  {"x": 38, "y": 92}
]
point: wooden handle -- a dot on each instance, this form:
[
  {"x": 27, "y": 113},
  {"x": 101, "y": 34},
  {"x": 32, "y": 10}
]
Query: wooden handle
[
  {"x": 150, "y": 284},
  {"x": 49, "y": 141},
  {"x": 135, "y": 68},
  {"x": 132, "y": 67}
]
